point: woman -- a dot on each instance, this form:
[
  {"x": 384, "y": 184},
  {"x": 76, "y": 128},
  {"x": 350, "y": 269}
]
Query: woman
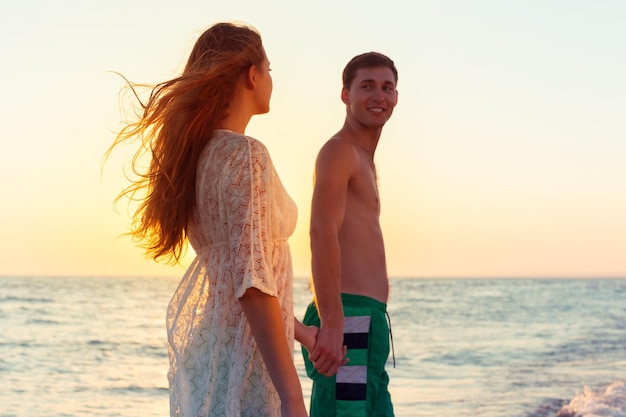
[{"x": 230, "y": 323}]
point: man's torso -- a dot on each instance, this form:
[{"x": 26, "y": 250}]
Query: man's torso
[{"x": 363, "y": 265}]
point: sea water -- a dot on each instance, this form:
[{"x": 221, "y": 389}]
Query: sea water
[{"x": 84, "y": 346}]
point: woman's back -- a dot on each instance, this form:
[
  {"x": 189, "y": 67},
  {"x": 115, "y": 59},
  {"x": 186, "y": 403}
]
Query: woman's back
[{"x": 241, "y": 221}]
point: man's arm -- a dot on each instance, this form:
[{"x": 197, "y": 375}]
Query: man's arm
[{"x": 333, "y": 170}]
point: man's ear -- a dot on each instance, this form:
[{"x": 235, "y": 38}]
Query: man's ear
[
  {"x": 344, "y": 95},
  {"x": 251, "y": 77}
]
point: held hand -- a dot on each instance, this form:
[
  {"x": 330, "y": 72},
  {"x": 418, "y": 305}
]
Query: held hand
[
  {"x": 329, "y": 352},
  {"x": 309, "y": 337}
]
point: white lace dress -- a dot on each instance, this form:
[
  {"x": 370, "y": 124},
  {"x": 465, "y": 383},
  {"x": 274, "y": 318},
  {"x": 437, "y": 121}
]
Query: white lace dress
[{"x": 241, "y": 222}]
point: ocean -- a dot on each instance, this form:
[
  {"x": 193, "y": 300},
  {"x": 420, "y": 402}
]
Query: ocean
[{"x": 72, "y": 346}]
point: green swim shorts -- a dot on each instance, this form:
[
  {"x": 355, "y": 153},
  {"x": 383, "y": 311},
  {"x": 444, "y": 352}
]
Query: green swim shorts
[{"x": 360, "y": 388}]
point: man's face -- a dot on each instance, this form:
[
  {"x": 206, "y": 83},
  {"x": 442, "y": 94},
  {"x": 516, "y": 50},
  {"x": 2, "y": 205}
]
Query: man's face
[{"x": 371, "y": 98}]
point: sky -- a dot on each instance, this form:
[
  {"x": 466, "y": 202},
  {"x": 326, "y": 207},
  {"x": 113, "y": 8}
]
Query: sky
[{"x": 505, "y": 156}]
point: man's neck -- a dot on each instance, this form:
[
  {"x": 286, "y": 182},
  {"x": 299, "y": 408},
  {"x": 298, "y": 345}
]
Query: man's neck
[{"x": 364, "y": 137}]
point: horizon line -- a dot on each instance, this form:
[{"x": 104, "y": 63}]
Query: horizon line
[{"x": 398, "y": 277}]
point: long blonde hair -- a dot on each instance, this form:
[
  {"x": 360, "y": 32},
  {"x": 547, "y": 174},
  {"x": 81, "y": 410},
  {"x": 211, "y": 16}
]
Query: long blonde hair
[{"x": 174, "y": 126}]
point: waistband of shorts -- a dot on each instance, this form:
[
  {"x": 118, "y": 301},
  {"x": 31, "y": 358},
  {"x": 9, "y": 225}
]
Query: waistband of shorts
[{"x": 354, "y": 300}]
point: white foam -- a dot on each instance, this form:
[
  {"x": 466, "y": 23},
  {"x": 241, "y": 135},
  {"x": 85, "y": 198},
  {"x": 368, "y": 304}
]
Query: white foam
[{"x": 608, "y": 403}]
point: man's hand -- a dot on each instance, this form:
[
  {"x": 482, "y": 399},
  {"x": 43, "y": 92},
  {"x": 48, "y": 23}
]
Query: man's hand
[{"x": 329, "y": 352}]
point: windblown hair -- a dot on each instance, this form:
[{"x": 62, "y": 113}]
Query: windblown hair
[
  {"x": 173, "y": 127},
  {"x": 367, "y": 60}
]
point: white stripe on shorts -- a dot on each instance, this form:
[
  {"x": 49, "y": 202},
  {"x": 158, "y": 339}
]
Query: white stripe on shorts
[
  {"x": 352, "y": 375},
  {"x": 356, "y": 324}
]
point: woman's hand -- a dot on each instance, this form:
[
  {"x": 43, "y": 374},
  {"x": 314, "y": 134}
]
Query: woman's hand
[{"x": 306, "y": 335}]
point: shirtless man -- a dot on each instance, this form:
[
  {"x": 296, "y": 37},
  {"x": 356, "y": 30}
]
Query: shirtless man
[{"x": 348, "y": 255}]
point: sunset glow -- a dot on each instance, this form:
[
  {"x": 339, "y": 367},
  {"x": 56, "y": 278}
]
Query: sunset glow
[{"x": 504, "y": 156}]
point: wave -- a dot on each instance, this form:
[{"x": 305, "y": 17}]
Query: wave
[
  {"x": 43, "y": 322},
  {"x": 130, "y": 389},
  {"x": 610, "y": 402},
  {"x": 17, "y": 299}
]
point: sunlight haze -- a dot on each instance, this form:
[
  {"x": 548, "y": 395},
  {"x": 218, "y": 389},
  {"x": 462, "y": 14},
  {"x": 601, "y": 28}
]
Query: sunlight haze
[{"x": 505, "y": 155}]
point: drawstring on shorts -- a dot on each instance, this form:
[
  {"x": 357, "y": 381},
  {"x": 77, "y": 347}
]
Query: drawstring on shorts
[{"x": 393, "y": 353}]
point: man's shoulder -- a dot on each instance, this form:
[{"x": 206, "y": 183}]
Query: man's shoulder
[
  {"x": 338, "y": 148},
  {"x": 337, "y": 162}
]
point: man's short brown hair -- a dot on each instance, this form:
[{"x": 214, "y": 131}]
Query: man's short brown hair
[{"x": 367, "y": 60}]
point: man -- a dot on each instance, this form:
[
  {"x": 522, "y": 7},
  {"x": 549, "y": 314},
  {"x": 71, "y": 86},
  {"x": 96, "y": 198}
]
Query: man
[{"x": 348, "y": 255}]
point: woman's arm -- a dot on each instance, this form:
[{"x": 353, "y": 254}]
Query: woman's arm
[{"x": 265, "y": 319}]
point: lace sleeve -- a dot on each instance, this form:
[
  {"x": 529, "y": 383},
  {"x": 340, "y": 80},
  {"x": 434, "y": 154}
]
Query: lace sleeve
[{"x": 247, "y": 197}]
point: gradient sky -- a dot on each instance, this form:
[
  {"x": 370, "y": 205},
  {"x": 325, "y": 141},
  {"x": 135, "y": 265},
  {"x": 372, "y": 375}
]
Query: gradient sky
[{"x": 505, "y": 157}]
